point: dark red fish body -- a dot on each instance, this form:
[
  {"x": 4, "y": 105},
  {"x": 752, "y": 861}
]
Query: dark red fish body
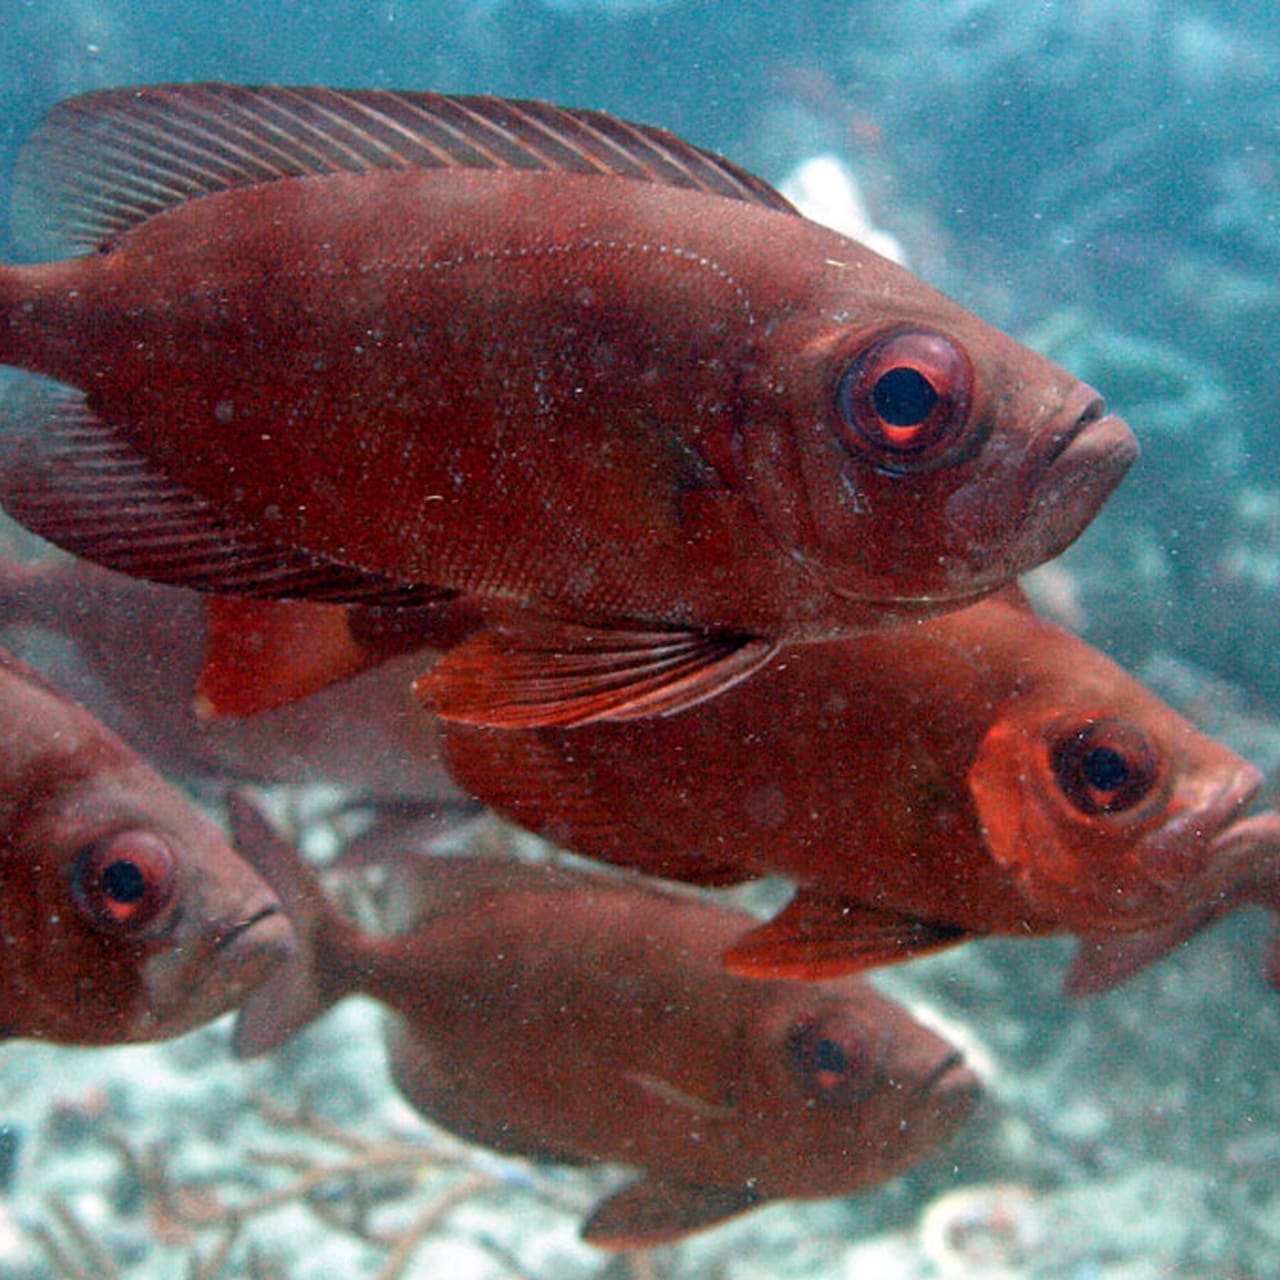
[
  {"x": 982, "y": 772},
  {"x": 124, "y": 914},
  {"x": 545, "y": 371},
  {"x": 585, "y": 1018}
]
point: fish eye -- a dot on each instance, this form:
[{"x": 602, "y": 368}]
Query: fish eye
[
  {"x": 122, "y": 883},
  {"x": 825, "y": 1061},
  {"x": 1108, "y": 766},
  {"x": 905, "y": 400}
]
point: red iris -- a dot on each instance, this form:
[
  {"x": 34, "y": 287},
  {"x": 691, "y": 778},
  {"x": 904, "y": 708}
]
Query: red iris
[
  {"x": 124, "y": 882},
  {"x": 906, "y": 400}
]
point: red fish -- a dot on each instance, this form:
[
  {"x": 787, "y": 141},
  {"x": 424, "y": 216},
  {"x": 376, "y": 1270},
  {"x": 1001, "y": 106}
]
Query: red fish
[
  {"x": 983, "y": 772},
  {"x": 326, "y": 344},
  {"x": 586, "y": 1018},
  {"x": 124, "y": 914},
  {"x": 145, "y": 657}
]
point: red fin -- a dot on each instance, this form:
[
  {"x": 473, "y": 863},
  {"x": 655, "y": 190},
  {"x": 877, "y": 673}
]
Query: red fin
[
  {"x": 106, "y": 161},
  {"x": 1101, "y": 964},
  {"x": 646, "y": 1214},
  {"x": 562, "y": 674},
  {"x": 262, "y": 654},
  {"x": 67, "y": 477},
  {"x": 291, "y": 997},
  {"x": 816, "y": 937}
]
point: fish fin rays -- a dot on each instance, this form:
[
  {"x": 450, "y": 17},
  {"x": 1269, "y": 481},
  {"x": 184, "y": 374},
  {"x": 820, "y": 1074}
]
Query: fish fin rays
[
  {"x": 563, "y": 673},
  {"x": 67, "y": 476},
  {"x": 106, "y": 161},
  {"x": 816, "y": 937},
  {"x": 647, "y": 1213}
]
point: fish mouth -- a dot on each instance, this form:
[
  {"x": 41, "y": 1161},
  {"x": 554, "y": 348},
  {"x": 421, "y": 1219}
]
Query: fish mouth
[
  {"x": 1204, "y": 837},
  {"x": 269, "y": 911},
  {"x": 954, "y": 1079},
  {"x": 1080, "y": 462}
]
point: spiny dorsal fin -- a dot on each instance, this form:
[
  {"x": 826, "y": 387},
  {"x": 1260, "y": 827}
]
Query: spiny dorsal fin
[{"x": 105, "y": 161}]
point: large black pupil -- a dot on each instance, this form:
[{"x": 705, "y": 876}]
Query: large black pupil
[
  {"x": 123, "y": 882},
  {"x": 1105, "y": 769},
  {"x": 903, "y": 397},
  {"x": 828, "y": 1056}
]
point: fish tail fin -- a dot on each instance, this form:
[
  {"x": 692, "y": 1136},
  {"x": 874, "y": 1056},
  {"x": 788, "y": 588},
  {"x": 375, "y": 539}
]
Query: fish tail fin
[{"x": 309, "y": 983}]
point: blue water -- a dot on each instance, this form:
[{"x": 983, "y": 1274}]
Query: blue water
[{"x": 1100, "y": 177}]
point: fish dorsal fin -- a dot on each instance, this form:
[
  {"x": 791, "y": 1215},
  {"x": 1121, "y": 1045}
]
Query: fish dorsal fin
[
  {"x": 535, "y": 674},
  {"x": 650, "y": 1213},
  {"x": 106, "y": 161},
  {"x": 67, "y": 477},
  {"x": 817, "y": 937}
]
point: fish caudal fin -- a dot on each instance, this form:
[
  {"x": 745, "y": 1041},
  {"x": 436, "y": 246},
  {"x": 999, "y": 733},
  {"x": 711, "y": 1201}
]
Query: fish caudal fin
[
  {"x": 647, "y": 1214},
  {"x": 545, "y": 674},
  {"x": 296, "y": 994}
]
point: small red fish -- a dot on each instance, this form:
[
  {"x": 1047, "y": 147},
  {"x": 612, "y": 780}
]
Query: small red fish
[
  {"x": 124, "y": 914},
  {"x": 386, "y": 346},
  {"x": 572, "y": 1017},
  {"x": 983, "y": 772},
  {"x": 145, "y": 657}
]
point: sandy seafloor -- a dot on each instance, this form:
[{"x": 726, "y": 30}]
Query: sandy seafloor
[{"x": 1102, "y": 179}]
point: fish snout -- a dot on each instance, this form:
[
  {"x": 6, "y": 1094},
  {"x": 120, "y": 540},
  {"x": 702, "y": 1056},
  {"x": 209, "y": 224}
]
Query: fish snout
[
  {"x": 1190, "y": 843},
  {"x": 1081, "y": 455}
]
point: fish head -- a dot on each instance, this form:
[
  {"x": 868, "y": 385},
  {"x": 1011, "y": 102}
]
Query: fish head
[
  {"x": 848, "y": 1089},
  {"x": 925, "y": 456},
  {"x": 1105, "y": 806},
  {"x": 127, "y": 916}
]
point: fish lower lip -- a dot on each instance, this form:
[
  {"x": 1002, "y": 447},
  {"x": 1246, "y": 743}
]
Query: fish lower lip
[
  {"x": 953, "y": 1061},
  {"x": 243, "y": 926}
]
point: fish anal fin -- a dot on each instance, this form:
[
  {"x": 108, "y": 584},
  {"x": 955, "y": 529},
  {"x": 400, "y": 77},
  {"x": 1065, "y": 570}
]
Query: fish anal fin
[
  {"x": 108, "y": 160},
  {"x": 67, "y": 476},
  {"x": 646, "y": 1213},
  {"x": 561, "y": 674},
  {"x": 817, "y": 937}
]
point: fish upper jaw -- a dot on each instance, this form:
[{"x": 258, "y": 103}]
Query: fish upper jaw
[
  {"x": 1079, "y": 460},
  {"x": 198, "y": 978},
  {"x": 1195, "y": 842}
]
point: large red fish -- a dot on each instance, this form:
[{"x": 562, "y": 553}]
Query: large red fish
[
  {"x": 586, "y": 1018},
  {"x": 983, "y": 772},
  {"x": 326, "y": 343},
  {"x": 124, "y": 914}
]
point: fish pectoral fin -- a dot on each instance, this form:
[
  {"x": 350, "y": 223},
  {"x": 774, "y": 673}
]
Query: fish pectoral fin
[
  {"x": 818, "y": 937},
  {"x": 648, "y": 1213},
  {"x": 564, "y": 673},
  {"x": 264, "y": 654},
  {"x": 1103, "y": 962},
  {"x": 69, "y": 477}
]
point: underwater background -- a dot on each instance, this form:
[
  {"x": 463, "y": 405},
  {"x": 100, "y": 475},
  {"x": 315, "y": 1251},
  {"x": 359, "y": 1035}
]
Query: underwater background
[{"x": 1102, "y": 179}]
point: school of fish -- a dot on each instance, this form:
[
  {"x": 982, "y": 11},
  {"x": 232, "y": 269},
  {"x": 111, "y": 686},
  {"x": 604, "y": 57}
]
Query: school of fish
[{"x": 463, "y": 452}]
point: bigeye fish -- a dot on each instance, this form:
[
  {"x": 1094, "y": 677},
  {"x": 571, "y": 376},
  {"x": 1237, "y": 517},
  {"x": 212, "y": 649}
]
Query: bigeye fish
[
  {"x": 377, "y": 346},
  {"x": 566, "y": 1016},
  {"x": 124, "y": 914},
  {"x": 982, "y": 772}
]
